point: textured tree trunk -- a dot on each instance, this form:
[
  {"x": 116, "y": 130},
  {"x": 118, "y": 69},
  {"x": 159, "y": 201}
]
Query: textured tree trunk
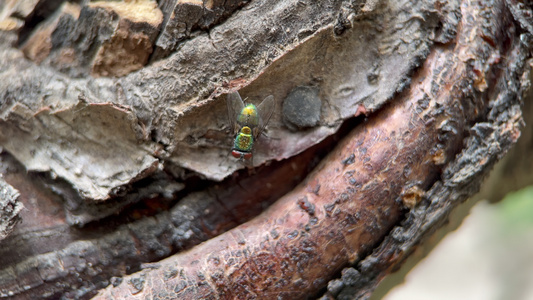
[{"x": 116, "y": 141}]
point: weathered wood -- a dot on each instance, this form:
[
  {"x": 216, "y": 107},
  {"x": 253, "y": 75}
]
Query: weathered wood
[
  {"x": 151, "y": 133},
  {"x": 38, "y": 46},
  {"x": 489, "y": 140},
  {"x": 408, "y": 153},
  {"x": 13, "y": 13},
  {"x": 185, "y": 18},
  {"x": 101, "y": 38},
  {"x": 172, "y": 115},
  {"x": 10, "y": 207},
  {"x": 514, "y": 171},
  {"x": 104, "y": 250}
]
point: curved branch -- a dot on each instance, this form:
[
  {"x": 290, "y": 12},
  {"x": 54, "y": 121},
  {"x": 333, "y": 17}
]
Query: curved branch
[{"x": 360, "y": 191}]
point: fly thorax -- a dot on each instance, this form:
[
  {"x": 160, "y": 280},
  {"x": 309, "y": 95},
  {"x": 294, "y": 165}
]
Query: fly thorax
[
  {"x": 249, "y": 116},
  {"x": 244, "y": 139}
]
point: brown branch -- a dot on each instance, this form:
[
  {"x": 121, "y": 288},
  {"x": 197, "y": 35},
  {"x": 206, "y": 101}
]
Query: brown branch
[
  {"x": 349, "y": 205},
  {"x": 357, "y": 194},
  {"x": 77, "y": 262}
]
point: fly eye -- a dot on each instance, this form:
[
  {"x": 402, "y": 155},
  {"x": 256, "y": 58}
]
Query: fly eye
[{"x": 247, "y": 155}]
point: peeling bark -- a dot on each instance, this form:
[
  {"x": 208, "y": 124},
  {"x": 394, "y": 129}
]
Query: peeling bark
[
  {"x": 10, "y": 208},
  {"x": 438, "y": 85},
  {"x": 190, "y": 17},
  {"x": 176, "y": 119},
  {"x": 75, "y": 263},
  {"x": 357, "y": 194}
]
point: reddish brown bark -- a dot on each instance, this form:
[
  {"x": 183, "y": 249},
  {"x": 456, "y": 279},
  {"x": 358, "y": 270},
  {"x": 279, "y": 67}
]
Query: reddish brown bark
[
  {"x": 359, "y": 192},
  {"x": 386, "y": 188}
]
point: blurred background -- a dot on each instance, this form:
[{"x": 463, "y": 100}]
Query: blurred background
[{"x": 489, "y": 257}]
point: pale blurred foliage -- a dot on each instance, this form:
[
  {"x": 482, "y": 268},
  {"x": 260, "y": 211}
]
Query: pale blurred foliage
[{"x": 490, "y": 257}]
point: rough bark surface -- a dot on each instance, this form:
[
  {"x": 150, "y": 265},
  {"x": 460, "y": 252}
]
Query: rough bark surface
[
  {"x": 438, "y": 84},
  {"x": 393, "y": 161},
  {"x": 167, "y": 109},
  {"x": 513, "y": 171},
  {"x": 56, "y": 260},
  {"x": 10, "y": 208}
]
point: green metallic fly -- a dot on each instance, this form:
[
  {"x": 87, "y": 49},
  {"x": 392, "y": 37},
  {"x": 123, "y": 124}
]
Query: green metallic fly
[{"x": 248, "y": 122}]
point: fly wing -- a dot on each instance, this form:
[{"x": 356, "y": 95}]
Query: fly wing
[
  {"x": 265, "y": 109},
  {"x": 235, "y": 106}
]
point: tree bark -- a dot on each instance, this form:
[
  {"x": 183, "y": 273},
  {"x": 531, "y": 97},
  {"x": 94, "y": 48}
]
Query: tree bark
[{"x": 115, "y": 135}]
